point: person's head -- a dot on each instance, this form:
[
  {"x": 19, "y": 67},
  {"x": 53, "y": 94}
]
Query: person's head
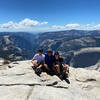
[
  {"x": 40, "y": 51},
  {"x": 49, "y": 52},
  {"x": 56, "y": 55}
]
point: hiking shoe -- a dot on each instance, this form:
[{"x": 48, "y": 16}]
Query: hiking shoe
[{"x": 38, "y": 71}]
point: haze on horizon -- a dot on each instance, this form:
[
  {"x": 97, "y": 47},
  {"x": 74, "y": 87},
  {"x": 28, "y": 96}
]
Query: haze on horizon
[{"x": 49, "y": 15}]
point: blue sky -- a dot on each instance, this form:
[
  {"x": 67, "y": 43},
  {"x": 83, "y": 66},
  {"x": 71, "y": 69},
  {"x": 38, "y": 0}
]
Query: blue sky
[{"x": 47, "y": 15}]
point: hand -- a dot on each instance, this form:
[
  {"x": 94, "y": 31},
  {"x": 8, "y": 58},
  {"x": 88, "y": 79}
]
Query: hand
[{"x": 40, "y": 66}]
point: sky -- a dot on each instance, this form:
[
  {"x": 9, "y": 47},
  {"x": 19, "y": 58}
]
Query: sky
[{"x": 49, "y": 15}]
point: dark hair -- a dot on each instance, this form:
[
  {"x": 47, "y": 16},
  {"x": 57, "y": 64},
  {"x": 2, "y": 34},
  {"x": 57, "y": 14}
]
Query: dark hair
[
  {"x": 40, "y": 50},
  {"x": 56, "y": 53}
]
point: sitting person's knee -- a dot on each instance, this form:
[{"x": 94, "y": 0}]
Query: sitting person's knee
[
  {"x": 65, "y": 67},
  {"x": 34, "y": 62},
  {"x": 56, "y": 66},
  {"x": 46, "y": 66}
]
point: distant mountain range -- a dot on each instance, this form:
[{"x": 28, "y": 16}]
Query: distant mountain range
[
  {"x": 16, "y": 46},
  {"x": 23, "y": 45}
]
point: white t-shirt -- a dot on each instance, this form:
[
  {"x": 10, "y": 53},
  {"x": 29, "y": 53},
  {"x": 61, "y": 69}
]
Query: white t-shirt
[{"x": 39, "y": 58}]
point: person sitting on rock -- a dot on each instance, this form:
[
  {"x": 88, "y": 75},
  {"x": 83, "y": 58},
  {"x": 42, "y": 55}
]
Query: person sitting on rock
[
  {"x": 60, "y": 68},
  {"x": 38, "y": 60},
  {"x": 49, "y": 61}
]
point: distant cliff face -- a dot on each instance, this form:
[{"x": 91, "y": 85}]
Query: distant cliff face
[
  {"x": 86, "y": 57},
  {"x": 21, "y": 45},
  {"x": 69, "y": 42},
  {"x": 16, "y": 46},
  {"x": 68, "y": 45}
]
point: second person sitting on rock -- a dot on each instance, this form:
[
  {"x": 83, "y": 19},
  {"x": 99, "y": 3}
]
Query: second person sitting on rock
[{"x": 49, "y": 61}]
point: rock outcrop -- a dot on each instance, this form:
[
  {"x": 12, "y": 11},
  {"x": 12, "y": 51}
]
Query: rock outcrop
[{"x": 18, "y": 81}]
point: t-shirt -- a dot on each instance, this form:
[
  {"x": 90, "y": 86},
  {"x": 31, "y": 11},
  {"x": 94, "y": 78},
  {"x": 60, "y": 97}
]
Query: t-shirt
[
  {"x": 60, "y": 61},
  {"x": 39, "y": 58},
  {"x": 49, "y": 60}
]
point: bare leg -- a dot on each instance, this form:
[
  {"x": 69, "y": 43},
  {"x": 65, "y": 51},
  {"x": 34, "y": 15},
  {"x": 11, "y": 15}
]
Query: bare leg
[
  {"x": 46, "y": 67},
  {"x": 65, "y": 68},
  {"x": 35, "y": 64},
  {"x": 65, "y": 71},
  {"x": 57, "y": 69}
]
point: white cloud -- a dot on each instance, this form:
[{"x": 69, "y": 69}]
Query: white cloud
[
  {"x": 97, "y": 26},
  {"x": 88, "y": 25},
  {"x": 58, "y": 27},
  {"x": 10, "y": 24},
  {"x": 44, "y": 23},
  {"x": 29, "y": 22},
  {"x": 68, "y": 26},
  {"x": 26, "y": 23},
  {"x": 34, "y": 25},
  {"x": 76, "y": 26},
  {"x": 72, "y": 25}
]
